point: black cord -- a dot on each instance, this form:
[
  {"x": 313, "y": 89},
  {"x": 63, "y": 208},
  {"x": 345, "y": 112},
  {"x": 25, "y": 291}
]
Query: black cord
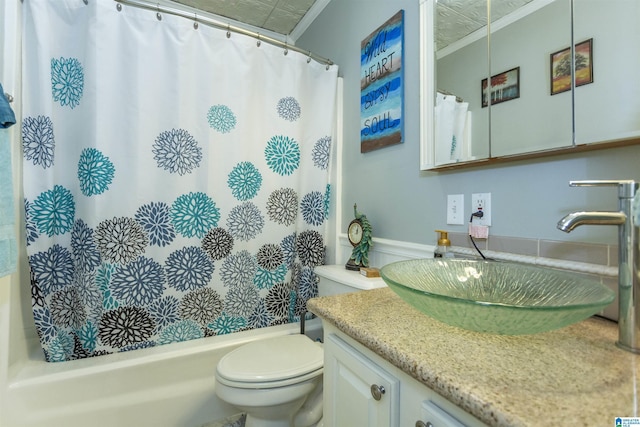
[
  {"x": 478, "y": 214},
  {"x": 476, "y": 246}
]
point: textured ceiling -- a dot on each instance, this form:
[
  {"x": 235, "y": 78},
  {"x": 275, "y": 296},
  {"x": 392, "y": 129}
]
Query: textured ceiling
[
  {"x": 456, "y": 19},
  {"x": 279, "y": 16}
]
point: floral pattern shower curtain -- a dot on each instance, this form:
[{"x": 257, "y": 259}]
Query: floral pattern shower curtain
[{"x": 175, "y": 177}]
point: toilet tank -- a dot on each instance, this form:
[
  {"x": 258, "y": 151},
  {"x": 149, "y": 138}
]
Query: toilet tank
[{"x": 335, "y": 279}]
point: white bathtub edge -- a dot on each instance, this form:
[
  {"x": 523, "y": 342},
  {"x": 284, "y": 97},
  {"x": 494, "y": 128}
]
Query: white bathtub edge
[{"x": 37, "y": 371}]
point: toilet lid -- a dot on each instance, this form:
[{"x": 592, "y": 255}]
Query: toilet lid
[{"x": 272, "y": 359}]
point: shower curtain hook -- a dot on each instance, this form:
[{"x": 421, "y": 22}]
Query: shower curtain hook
[
  {"x": 195, "y": 21},
  {"x": 286, "y": 50},
  {"x": 228, "y": 31},
  {"x": 309, "y": 58},
  {"x": 258, "y": 43},
  {"x": 158, "y": 15}
]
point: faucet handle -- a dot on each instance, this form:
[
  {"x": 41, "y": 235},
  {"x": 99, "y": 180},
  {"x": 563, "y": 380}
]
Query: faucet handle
[{"x": 627, "y": 187}]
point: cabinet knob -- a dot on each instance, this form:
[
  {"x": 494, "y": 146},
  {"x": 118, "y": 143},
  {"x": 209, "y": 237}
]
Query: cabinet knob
[
  {"x": 377, "y": 391},
  {"x": 423, "y": 424}
]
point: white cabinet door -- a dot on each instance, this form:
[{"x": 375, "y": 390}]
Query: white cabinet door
[
  {"x": 435, "y": 416},
  {"x": 357, "y": 392}
]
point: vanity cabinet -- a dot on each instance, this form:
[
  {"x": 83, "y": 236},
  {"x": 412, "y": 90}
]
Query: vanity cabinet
[
  {"x": 357, "y": 391},
  {"x": 363, "y": 389}
]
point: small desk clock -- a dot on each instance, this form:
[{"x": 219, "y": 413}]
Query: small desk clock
[{"x": 359, "y": 235}]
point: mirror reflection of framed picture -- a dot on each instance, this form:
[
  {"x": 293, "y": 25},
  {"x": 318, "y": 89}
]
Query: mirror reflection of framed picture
[
  {"x": 561, "y": 67},
  {"x": 504, "y": 87}
]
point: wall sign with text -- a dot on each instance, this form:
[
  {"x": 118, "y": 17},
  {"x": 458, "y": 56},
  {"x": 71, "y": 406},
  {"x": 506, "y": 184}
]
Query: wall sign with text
[{"x": 382, "y": 86}]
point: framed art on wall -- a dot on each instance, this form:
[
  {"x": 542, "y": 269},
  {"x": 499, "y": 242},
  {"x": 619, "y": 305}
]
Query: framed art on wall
[
  {"x": 504, "y": 87},
  {"x": 382, "y": 86},
  {"x": 560, "y": 73}
]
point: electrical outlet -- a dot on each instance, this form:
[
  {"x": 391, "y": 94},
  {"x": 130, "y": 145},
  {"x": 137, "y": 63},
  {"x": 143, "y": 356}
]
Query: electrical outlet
[
  {"x": 481, "y": 202},
  {"x": 455, "y": 209}
]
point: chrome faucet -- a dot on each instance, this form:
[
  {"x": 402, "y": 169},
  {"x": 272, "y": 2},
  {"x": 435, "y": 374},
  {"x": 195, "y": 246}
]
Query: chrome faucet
[{"x": 628, "y": 255}]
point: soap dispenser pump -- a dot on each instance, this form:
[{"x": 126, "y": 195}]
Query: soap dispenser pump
[{"x": 443, "y": 249}]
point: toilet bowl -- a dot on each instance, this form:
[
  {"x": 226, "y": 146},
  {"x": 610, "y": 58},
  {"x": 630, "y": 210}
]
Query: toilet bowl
[
  {"x": 277, "y": 381},
  {"x": 271, "y": 379}
]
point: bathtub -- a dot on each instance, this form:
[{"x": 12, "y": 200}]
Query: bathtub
[{"x": 170, "y": 385}]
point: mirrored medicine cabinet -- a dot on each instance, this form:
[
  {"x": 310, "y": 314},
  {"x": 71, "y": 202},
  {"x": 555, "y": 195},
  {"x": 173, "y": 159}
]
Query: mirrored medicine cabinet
[{"x": 496, "y": 79}]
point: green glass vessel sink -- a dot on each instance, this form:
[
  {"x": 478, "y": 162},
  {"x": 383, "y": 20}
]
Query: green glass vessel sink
[{"x": 496, "y": 297}]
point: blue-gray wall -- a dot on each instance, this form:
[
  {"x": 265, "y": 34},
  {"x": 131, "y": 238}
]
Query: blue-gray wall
[{"x": 403, "y": 203}]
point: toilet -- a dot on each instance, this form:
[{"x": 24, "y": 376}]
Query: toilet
[{"x": 277, "y": 381}]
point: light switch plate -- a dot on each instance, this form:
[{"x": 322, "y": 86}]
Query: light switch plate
[{"x": 455, "y": 209}]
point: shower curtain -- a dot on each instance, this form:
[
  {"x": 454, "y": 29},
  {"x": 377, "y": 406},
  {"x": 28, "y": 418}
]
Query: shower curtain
[{"x": 175, "y": 177}]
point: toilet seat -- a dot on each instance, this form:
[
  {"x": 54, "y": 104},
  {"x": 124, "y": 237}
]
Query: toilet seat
[{"x": 270, "y": 363}]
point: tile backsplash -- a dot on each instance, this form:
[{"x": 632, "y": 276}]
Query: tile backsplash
[{"x": 588, "y": 253}]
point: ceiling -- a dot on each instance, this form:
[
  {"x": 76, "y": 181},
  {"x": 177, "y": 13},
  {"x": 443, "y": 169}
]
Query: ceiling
[
  {"x": 278, "y": 16},
  {"x": 455, "y": 19}
]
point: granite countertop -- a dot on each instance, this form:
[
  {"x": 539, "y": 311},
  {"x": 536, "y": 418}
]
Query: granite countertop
[{"x": 572, "y": 376}]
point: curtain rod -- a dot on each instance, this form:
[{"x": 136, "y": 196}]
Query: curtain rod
[{"x": 213, "y": 23}]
